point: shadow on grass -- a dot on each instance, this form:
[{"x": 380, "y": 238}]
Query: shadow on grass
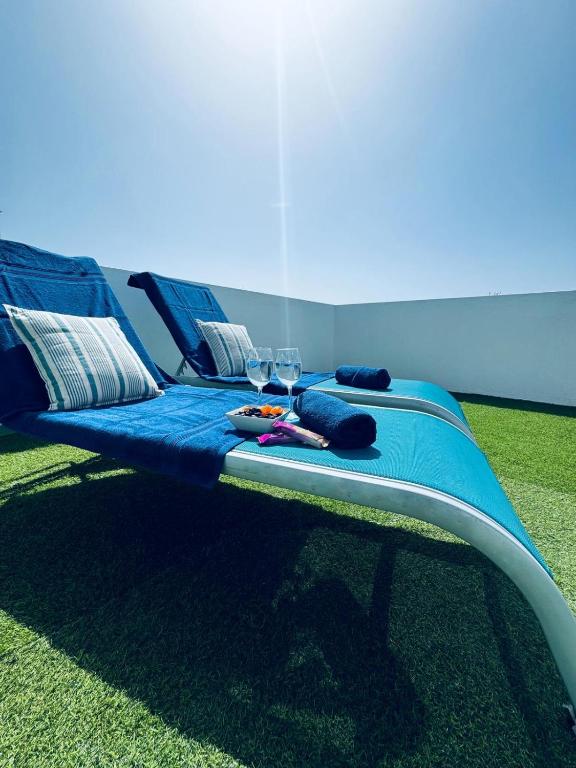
[
  {"x": 10, "y": 442},
  {"x": 29, "y": 481},
  {"x": 258, "y": 623}
]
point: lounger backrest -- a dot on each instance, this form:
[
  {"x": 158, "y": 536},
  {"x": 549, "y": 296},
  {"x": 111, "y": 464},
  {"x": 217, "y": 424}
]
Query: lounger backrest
[
  {"x": 36, "y": 279},
  {"x": 180, "y": 304}
]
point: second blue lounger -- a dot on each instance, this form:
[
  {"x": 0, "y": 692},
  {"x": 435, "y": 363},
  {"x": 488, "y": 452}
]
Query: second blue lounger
[{"x": 180, "y": 303}]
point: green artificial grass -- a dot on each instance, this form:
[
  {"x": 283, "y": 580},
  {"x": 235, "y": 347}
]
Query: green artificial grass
[{"x": 145, "y": 623}]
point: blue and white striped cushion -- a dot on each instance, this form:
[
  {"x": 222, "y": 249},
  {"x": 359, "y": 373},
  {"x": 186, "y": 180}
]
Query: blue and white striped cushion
[
  {"x": 229, "y": 345},
  {"x": 84, "y": 361}
]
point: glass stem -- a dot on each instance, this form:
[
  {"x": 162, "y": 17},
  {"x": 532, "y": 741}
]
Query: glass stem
[
  {"x": 259, "y": 394},
  {"x": 290, "y": 398}
]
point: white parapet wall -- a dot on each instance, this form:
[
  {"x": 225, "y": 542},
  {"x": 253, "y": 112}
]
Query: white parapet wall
[{"x": 521, "y": 347}]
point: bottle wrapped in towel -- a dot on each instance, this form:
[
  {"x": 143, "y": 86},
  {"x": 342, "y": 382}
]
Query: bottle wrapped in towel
[
  {"x": 363, "y": 377},
  {"x": 344, "y": 425}
]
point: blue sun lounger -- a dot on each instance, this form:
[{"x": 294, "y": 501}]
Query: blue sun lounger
[
  {"x": 180, "y": 303},
  {"x": 421, "y": 466}
]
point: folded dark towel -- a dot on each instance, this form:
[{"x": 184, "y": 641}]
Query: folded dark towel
[
  {"x": 366, "y": 378},
  {"x": 344, "y": 425}
]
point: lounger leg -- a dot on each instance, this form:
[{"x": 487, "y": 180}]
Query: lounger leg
[
  {"x": 181, "y": 368},
  {"x": 559, "y": 626}
]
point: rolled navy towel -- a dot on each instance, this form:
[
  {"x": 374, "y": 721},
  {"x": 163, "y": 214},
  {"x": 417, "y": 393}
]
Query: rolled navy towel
[
  {"x": 344, "y": 425},
  {"x": 363, "y": 377}
]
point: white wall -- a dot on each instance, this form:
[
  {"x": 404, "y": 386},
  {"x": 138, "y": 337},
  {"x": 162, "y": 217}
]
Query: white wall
[
  {"x": 271, "y": 321},
  {"x": 521, "y": 347},
  {"x": 510, "y": 346}
]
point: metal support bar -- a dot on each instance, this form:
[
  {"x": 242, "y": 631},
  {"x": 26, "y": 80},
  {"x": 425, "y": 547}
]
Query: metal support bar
[{"x": 181, "y": 368}]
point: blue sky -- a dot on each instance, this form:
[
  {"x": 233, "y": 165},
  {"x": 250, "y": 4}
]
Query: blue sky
[{"x": 339, "y": 150}]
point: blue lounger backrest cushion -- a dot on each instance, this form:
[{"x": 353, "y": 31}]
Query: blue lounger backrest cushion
[
  {"x": 36, "y": 279},
  {"x": 180, "y": 304}
]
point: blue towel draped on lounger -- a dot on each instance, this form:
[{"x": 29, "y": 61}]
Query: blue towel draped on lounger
[
  {"x": 184, "y": 434},
  {"x": 344, "y": 425},
  {"x": 363, "y": 377},
  {"x": 36, "y": 279}
]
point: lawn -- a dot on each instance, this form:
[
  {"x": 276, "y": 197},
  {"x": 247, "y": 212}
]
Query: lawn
[{"x": 146, "y": 623}]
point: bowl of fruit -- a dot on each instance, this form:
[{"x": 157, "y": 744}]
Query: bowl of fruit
[{"x": 256, "y": 418}]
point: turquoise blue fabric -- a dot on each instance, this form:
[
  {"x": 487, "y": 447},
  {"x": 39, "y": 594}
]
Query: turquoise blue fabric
[
  {"x": 184, "y": 434},
  {"x": 418, "y": 448},
  {"x": 408, "y": 388},
  {"x": 35, "y": 279}
]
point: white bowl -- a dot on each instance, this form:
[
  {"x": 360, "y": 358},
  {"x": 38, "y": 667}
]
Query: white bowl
[{"x": 253, "y": 423}]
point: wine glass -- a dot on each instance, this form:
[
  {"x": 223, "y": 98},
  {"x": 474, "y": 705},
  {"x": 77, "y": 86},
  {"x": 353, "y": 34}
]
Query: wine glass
[
  {"x": 259, "y": 365},
  {"x": 288, "y": 368}
]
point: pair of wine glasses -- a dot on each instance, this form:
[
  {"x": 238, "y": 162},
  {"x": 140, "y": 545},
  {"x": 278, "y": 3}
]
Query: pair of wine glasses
[{"x": 261, "y": 364}]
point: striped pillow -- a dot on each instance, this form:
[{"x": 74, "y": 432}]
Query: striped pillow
[
  {"x": 229, "y": 345},
  {"x": 84, "y": 361}
]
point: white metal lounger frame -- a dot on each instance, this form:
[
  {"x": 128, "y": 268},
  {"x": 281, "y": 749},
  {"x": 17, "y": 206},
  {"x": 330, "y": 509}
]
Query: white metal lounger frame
[{"x": 444, "y": 511}]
